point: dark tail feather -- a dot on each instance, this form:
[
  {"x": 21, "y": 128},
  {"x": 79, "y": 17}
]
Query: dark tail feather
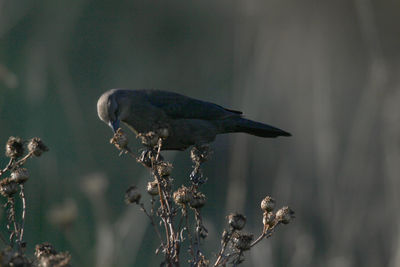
[{"x": 256, "y": 128}]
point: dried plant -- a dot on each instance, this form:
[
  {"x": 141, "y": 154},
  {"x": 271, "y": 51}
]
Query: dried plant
[
  {"x": 12, "y": 189},
  {"x": 172, "y": 209}
]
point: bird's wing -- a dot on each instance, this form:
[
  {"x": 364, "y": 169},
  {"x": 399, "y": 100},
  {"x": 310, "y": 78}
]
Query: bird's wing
[{"x": 178, "y": 106}]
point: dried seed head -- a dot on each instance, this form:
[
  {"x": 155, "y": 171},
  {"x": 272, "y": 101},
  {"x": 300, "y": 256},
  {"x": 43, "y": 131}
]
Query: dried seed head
[
  {"x": 236, "y": 221},
  {"x": 285, "y": 215},
  {"x": 17, "y": 259},
  {"x": 149, "y": 139},
  {"x": 198, "y": 200},
  {"x": 44, "y": 250},
  {"x": 242, "y": 241},
  {"x": 120, "y": 139},
  {"x": 37, "y": 147},
  {"x": 268, "y": 204},
  {"x": 132, "y": 195},
  {"x": 152, "y": 188},
  {"x": 164, "y": 168},
  {"x": 268, "y": 219},
  {"x": 200, "y": 154},
  {"x": 14, "y": 147},
  {"x": 61, "y": 259},
  {"x": 20, "y": 175},
  {"x": 8, "y": 187},
  {"x": 182, "y": 195},
  {"x": 163, "y": 133}
]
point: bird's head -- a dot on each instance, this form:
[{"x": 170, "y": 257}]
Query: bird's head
[{"x": 108, "y": 109}]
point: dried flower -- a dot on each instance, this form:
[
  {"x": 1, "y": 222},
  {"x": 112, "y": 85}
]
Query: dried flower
[
  {"x": 200, "y": 153},
  {"x": 20, "y": 175},
  {"x": 242, "y": 241},
  {"x": 182, "y": 195},
  {"x": 152, "y": 188},
  {"x": 198, "y": 200},
  {"x": 132, "y": 195},
  {"x": 268, "y": 219},
  {"x": 236, "y": 221},
  {"x": 285, "y": 215},
  {"x": 120, "y": 139},
  {"x": 149, "y": 139},
  {"x": 268, "y": 204},
  {"x": 37, "y": 147},
  {"x": 44, "y": 250},
  {"x": 8, "y": 187},
  {"x": 164, "y": 168},
  {"x": 47, "y": 256},
  {"x": 14, "y": 147}
]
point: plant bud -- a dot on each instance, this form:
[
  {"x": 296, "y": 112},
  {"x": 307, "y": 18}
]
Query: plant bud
[
  {"x": 8, "y": 187},
  {"x": 152, "y": 188},
  {"x": 242, "y": 241},
  {"x": 285, "y": 215},
  {"x": 120, "y": 139},
  {"x": 20, "y": 175},
  {"x": 132, "y": 195},
  {"x": 37, "y": 147},
  {"x": 14, "y": 147},
  {"x": 236, "y": 221},
  {"x": 268, "y": 204}
]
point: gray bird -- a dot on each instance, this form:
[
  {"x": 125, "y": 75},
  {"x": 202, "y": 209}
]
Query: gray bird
[{"x": 189, "y": 121}]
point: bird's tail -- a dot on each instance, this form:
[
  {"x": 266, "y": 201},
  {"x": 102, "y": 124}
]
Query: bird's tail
[{"x": 254, "y": 128}]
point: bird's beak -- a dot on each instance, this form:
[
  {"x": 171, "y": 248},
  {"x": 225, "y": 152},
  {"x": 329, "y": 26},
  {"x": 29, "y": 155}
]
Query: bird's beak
[{"x": 114, "y": 125}]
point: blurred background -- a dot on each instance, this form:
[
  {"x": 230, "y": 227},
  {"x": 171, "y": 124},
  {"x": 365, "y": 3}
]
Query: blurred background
[{"x": 326, "y": 71}]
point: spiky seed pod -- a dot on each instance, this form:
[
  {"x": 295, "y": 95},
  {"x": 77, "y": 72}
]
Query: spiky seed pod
[
  {"x": 164, "y": 168},
  {"x": 14, "y": 147},
  {"x": 20, "y": 175},
  {"x": 236, "y": 221},
  {"x": 198, "y": 200},
  {"x": 182, "y": 195},
  {"x": 152, "y": 188},
  {"x": 37, "y": 147},
  {"x": 8, "y": 187},
  {"x": 242, "y": 241},
  {"x": 132, "y": 195},
  {"x": 268, "y": 204},
  {"x": 285, "y": 215},
  {"x": 268, "y": 219}
]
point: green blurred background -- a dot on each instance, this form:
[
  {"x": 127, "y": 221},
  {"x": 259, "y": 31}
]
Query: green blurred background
[{"x": 326, "y": 71}]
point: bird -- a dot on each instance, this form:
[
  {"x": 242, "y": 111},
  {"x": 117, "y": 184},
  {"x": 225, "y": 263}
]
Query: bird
[{"x": 189, "y": 121}]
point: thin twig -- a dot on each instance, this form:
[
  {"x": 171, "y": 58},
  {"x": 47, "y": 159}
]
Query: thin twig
[{"x": 22, "y": 194}]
